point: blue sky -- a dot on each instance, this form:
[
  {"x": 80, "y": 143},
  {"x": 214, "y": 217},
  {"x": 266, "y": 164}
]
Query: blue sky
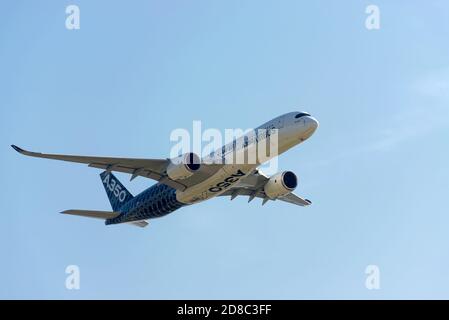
[{"x": 376, "y": 169}]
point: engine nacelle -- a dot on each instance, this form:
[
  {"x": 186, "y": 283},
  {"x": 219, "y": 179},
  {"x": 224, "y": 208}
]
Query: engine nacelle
[
  {"x": 280, "y": 184},
  {"x": 183, "y": 166}
]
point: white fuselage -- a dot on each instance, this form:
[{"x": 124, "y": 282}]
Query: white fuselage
[{"x": 290, "y": 132}]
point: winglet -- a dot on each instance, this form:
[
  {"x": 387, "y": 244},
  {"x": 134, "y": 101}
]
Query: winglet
[
  {"x": 20, "y": 150},
  {"x": 25, "y": 152}
]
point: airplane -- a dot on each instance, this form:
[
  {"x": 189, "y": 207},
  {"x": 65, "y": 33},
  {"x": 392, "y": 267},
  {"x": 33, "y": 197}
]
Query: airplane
[{"x": 187, "y": 179}]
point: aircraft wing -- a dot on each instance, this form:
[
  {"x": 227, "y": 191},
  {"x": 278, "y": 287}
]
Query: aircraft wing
[
  {"x": 252, "y": 186},
  {"x": 149, "y": 168}
]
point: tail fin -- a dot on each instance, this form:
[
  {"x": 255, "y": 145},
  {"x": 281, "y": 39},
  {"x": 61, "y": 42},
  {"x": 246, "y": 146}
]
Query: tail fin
[{"x": 118, "y": 195}]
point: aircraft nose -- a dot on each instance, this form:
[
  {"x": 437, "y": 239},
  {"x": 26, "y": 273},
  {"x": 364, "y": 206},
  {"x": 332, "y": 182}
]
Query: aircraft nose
[{"x": 311, "y": 124}]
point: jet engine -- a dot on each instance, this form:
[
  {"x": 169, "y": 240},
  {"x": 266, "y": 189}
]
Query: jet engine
[
  {"x": 280, "y": 184},
  {"x": 184, "y": 166}
]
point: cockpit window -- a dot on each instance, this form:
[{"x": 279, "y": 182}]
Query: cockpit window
[{"x": 301, "y": 114}]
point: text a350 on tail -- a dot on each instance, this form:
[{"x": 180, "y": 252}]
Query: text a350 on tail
[{"x": 188, "y": 179}]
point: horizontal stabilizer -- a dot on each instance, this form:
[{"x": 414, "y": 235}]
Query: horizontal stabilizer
[{"x": 93, "y": 214}]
